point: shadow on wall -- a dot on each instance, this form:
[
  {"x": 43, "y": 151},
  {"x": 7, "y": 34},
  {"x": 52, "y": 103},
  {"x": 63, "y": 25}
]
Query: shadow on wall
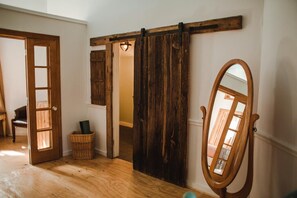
[{"x": 284, "y": 174}]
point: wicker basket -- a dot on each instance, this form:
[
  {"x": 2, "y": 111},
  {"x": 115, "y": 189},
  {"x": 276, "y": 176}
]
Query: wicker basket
[{"x": 82, "y": 145}]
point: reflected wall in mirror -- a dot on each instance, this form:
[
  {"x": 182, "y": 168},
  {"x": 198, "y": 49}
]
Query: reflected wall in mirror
[{"x": 227, "y": 126}]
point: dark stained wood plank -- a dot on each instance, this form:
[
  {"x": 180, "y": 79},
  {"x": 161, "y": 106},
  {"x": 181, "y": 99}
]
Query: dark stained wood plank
[
  {"x": 215, "y": 25},
  {"x": 144, "y": 100},
  {"x": 98, "y": 68},
  {"x": 152, "y": 152},
  {"x": 109, "y": 119},
  {"x": 173, "y": 136},
  {"x": 102, "y": 40},
  {"x": 185, "y": 54},
  {"x": 160, "y": 138},
  {"x": 137, "y": 125}
]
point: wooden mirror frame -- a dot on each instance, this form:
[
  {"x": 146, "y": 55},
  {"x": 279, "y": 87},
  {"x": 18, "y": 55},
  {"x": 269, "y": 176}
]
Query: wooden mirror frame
[{"x": 219, "y": 184}]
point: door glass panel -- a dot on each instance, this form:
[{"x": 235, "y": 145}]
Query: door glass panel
[
  {"x": 230, "y": 137},
  {"x": 225, "y": 151},
  {"x": 235, "y": 123},
  {"x": 43, "y": 119},
  {"x": 219, "y": 169},
  {"x": 41, "y": 77},
  {"x": 40, "y": 56},
  {"x": 42, "y": 99},
  {"x": 240, "y": 108},
  {"x": 44, "y": 140}
]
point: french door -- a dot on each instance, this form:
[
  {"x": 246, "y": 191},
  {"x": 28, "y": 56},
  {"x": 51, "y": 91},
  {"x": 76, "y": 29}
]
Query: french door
[{"x": 43, "y": 87}]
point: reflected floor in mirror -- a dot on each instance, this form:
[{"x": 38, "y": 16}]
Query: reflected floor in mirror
[{"x": 100, "y": 177}]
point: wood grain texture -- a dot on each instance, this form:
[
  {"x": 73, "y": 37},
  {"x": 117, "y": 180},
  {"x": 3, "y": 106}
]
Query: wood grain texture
[
  {"x": 101, "y": 177},
  {"x": 109, "y": 119},
  {"x": 23, "y": 35},
  {"x": 160, "y": 117},
  {"x": 53, "y": 42},
  {"x": 98, "y": 72},
  {"x": 217, "y": 183},
  {"x": 214, "y": 25},
  {"x": 54, "y": 98}
]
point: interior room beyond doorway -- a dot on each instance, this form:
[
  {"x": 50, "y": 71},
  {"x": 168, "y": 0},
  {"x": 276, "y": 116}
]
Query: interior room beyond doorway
[
  {"x": 13, "y": 65},
  {"x": 123, "y": 89}
]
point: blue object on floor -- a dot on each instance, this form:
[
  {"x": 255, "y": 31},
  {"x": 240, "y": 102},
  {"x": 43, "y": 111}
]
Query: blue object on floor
[{"x": 189, "y": 195}]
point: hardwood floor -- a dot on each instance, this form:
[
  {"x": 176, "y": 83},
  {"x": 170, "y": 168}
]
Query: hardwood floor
[
  {"x": 126, "y": 143},
  {"x": 100, "y": 177}
]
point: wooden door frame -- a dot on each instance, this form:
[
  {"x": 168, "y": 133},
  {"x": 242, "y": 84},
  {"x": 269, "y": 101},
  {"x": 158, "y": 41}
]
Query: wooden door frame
[
  {"x": 21, "y": 35},
  {"x": 109, "y": 109}
]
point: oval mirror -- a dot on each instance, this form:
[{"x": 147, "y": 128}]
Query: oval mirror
[
  {"x": 227, "y": 124},
  {"x": 227, "y": 120}
]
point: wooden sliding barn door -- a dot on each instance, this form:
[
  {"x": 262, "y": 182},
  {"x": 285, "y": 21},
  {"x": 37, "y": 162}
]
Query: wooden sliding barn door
[{"x": 161, "y": 106}]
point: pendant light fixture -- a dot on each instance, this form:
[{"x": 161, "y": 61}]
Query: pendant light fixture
[{"x": 125, "y": 46}]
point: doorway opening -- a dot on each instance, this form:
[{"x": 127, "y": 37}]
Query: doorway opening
[
  {"x": 13, "y": 66},
  {"x": 123, "y": 91}
]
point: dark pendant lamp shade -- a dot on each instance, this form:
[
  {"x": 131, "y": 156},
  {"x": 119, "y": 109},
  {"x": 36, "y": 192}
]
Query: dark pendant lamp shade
[{"x": 125, "y": 46}]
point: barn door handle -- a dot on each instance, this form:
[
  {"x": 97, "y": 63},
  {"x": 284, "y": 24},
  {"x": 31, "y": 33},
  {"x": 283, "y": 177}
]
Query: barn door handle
[{"x": 54, "y": 108}]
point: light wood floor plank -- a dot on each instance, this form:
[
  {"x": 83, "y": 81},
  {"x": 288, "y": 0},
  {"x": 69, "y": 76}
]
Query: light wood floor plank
[{"x": 100, "y": 177}]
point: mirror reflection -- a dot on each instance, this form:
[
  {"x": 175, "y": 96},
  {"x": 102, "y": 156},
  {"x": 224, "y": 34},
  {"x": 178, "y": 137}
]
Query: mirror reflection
[{"x": 227, "y": 119}]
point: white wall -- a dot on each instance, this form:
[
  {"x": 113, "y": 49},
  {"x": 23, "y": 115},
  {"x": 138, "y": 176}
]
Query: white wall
[
  {"x": 209, "y": 52},
  {"x": 36, "y": 5},
  {"x": 276, "y": 150},
  {"x": 96, "y": 114},
  {"x": 76, "y": 9},
  {"x": 267, "y": 45},
  {"x": 126, "y": 90},
  {"x": 12, "y": 60},
  {"x": 73, "y": 51}
]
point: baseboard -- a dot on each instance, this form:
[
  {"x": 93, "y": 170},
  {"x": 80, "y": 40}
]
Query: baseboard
[
  {"x": 98, "y": 151},
  {"x": 126, "y": 124},
  {"x": 101, "y": 152},
  {"x": 195, "y": 122},
  {"x": 67, "y": 153}
]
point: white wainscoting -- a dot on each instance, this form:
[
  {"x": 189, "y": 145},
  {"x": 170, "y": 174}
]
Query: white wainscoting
[
  {"x": 98, "y": 151},
  {"x": 261, "y": 135},
  {"x": 264, "y": 146},
  {"x": 291, "y": 149}
]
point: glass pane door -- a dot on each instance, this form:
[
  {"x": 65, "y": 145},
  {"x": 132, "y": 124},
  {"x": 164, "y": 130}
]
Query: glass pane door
[
  {"x": 42, "y": 71},
  {"x": 43, "y": 74}
]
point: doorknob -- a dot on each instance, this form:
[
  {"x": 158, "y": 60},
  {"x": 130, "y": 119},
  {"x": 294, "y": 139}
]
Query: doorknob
[{"x": 54, "y": 108}]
